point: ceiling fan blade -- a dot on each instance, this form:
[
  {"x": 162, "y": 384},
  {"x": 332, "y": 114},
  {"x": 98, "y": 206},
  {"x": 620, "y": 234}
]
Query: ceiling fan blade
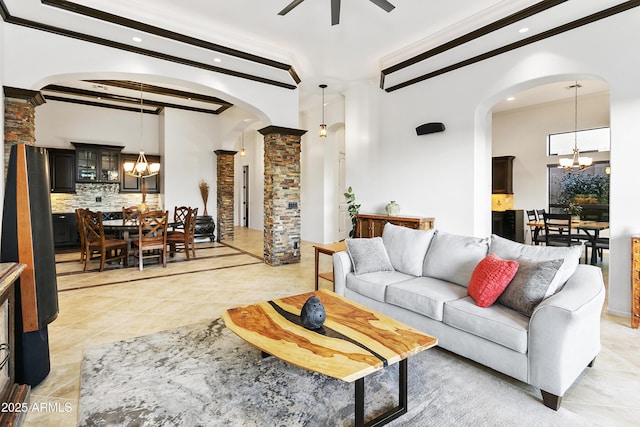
[
  {"x": 335, "y": 12},
  {"x": 383, "y": 4},
  {"x": 290, "y": 6}
]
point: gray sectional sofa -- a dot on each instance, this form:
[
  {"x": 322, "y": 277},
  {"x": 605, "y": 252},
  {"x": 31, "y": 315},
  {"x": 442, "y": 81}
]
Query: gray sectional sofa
[{"x": 421, "y": 278}]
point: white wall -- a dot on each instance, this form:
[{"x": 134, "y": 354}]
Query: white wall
[
  {"x": 446, "y": 175},
  {"x": 319, "y": 172},
  {"x": 189, "y": 144},
  {"x": 254, "y": 144},
  {"x": 53, "y": 58},
  {"x": 60, "y": 123},
  {"x": 523, "y": 133}
]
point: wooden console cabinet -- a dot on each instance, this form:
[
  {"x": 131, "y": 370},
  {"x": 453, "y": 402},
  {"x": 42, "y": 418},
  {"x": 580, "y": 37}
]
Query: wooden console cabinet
[
  {"x": 14, "y": 397},
  {"x": 635, "y": 281},
  {"x": 371, "y": 225}
]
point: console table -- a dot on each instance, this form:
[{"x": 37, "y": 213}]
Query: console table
[
  {"x": 14, "y": 397},
  {"x": 371, "y": 225}
]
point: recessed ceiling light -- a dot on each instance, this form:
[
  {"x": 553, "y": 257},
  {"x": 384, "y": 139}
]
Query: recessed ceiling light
[
  {"x": 136, "y": 39},
  {"x": 511, "y": 98},
  {"x": 217, "y": 60},
  {"x": 523, "y": 30}
]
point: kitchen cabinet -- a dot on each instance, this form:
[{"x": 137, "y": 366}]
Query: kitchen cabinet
[
  {"x": 62, "y": 170},
  {"x": 508, "y": 224},
  {"x": 97, "y": 163},
  {"x": 65, "y": 230},
  {"x": 502, "y": 175},
  {"x": 132, "y": 184},
  {"x": 368, "y": 225}
]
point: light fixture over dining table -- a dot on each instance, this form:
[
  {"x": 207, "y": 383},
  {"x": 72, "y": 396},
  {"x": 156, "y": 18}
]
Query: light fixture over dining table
[
  {"x": 141, "y": 168},
  {"x": 576, "y": 162}
]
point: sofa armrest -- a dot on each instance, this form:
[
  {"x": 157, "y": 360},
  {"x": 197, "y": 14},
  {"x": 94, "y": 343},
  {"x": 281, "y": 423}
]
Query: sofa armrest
[
  {"x": 341, "y": 267},
  {"x": 564, "y": 331}
]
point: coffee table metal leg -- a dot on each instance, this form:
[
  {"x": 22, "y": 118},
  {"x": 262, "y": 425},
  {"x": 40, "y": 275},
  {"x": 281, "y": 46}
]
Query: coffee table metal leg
[{"x": 393, "y": 413}]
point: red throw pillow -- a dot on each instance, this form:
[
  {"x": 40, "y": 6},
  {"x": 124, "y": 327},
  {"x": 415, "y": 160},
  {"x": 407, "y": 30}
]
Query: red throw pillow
[{"x": 490, "y": 278}]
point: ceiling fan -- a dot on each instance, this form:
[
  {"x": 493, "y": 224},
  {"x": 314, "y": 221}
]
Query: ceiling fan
[{"x": 335, "y": 8}]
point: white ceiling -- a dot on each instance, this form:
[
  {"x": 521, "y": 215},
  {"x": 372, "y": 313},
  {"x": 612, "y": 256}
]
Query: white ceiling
[{"x": 367, "y": 40}]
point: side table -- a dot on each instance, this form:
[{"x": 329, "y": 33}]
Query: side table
[{"x": 328, "y": 249}]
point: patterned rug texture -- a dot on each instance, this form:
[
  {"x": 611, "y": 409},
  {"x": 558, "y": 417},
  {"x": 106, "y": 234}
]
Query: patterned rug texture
[{"x": 204, "y": 375}]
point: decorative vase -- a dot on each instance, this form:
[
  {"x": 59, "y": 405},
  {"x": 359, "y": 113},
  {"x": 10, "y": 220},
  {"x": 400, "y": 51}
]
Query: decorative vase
[
  {"x": 392, "y": 208},
  {"x": 313, "y": 314}
]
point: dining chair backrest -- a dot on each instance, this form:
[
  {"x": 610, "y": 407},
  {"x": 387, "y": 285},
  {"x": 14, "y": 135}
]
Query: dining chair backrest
[
  {"x": 180, "y": 214},
  {"x": 129, "y": 214},
  {"x": 540, "y": 213},
  {"x": 152, "y": 226},
  {"x": 80, "y": 213},
  {"x": 531, "y": 216},
  {"x": 93, "y": 228},
  {"x": 557, "y": 228},
  {"x": 190, "y": 223}
]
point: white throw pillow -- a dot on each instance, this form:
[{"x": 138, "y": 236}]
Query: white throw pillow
[
  {"x": 406, "y": 247},
  {"x": 368, "y": 255},
  {"x": 508, "y": 249},
  {"x": 453, "y": 258}
]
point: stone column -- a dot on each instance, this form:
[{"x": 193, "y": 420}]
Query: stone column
[
  {"x": 225, "y": 196},
  {"x": 281, "y": 195},
  {"x": 19, "y": 118}
]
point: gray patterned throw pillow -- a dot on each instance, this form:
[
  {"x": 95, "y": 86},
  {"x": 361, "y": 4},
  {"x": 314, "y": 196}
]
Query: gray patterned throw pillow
[
  {"x": 529, "y": 286},
  {"x": 368, "y": 255}
]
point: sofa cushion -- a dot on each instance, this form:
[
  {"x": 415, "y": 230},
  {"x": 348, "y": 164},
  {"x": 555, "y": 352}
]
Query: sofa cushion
[
  {"x": 368, "y": 255},
  {"x": 497, "y": 323},
  {"x": 453, "y": 258},
  {"x": 424, "y": 295},
  {"x": 508, "y": 249},
  {"x": 406, "y": 247},
  {"x": 490, "y": 278},
  {"x": 530, "y": 284},
  {"x": 373, "y": 285}
]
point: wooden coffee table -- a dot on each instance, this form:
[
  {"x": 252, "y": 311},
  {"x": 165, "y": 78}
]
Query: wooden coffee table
[{"x": 354, "y": 342}]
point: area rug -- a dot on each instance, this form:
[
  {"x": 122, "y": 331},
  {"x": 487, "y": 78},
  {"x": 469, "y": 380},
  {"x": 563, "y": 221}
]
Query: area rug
[{"x": 204, "y": 375}]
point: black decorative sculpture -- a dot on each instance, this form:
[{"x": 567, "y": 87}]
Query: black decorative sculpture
[{"x": 313, "y": 314}]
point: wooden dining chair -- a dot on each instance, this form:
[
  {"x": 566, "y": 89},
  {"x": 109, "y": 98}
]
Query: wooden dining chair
[
  {"x": 129, "y": 214},
  {"x": 80, "y": 212},
  {"x": 184, "y": 240},
  {"x": 557, "y": 229},
  {"x": 97, "y": 244},
  {"x": 180, "y": 214},
  {"x": 152, "y": 237}
]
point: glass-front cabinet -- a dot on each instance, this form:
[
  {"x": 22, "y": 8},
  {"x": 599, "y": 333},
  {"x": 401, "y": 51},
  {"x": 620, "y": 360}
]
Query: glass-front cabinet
[{"x": 97, "y": 163}]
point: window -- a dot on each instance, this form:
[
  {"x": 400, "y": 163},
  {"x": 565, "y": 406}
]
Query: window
[
  {"x": 589, "y": 140},
  {"x": 588, "y": 188}
]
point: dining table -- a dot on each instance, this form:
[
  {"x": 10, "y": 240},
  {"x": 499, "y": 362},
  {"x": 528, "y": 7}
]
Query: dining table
[
  {"x": 126, "y": 228},
  {"x": 590, "y": 228}
]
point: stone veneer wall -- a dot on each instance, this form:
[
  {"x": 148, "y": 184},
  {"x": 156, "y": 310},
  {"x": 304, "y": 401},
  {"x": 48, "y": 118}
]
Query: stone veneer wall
[
  {"x": 19, "y": 119},
  {"x": 281, "y": 195},
  {"x": 225, "y": 194},
  {"x": 112, "y": 200}
]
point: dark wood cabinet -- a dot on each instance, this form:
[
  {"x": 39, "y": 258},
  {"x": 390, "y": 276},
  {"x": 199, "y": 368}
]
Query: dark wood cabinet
[
  {"x": 97, "y": 163},
  {"x": 62, "y": 170},
  {"x": 65, "y": 230},
  {"x": 132, "y": 184},
  {"x": 502, "y": 175},
  {"x": 508, "y": 224},
  {"x": 371, "y": 225}
]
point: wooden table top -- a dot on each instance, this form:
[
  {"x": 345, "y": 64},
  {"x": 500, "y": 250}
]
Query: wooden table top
[
  {"x": 331, "y": 248},
  {"x": 587, "y": 225},
  {"x": 356, "y": 341}
]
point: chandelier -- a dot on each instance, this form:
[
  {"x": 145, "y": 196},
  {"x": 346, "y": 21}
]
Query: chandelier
[
  {"x": 141, "y": 168},
  {"x": 576, "y": 162}
]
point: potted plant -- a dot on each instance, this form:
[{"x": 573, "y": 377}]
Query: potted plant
[
  {"x": 352, "y": 208},
  {"x": 575, "y": 210}
]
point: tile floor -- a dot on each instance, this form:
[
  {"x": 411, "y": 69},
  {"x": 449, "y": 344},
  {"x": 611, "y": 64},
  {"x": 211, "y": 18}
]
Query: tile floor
[{"x": 97, "y": 308}]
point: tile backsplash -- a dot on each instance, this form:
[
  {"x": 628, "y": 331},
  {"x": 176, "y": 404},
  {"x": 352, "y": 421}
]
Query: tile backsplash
[{"x": 109, "y": 195}]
